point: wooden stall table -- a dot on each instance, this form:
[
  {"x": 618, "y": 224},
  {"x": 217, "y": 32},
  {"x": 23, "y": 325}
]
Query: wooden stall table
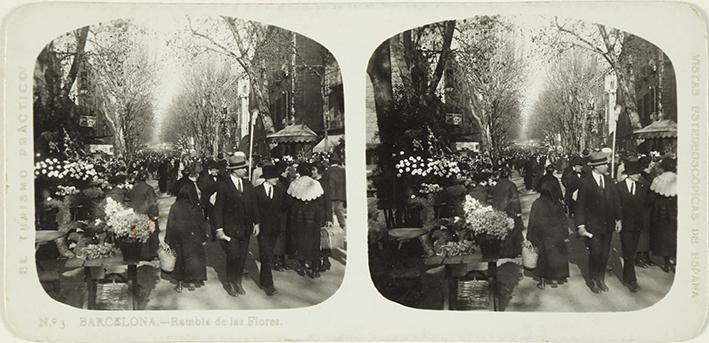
[
  {"x": 92, "y": 267},
  {"x": 404, "y": 234},
  {"x": 453, "y": 264}
]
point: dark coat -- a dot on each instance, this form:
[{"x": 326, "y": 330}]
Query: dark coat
[
  {"x": 235, "y": 212},
  {"x": 644, "y": 239},
  {"x": 663, "y": 230},
  {"x": 547, "y": 230},
  {"x": 208, "y": 186},
  {"x": 163, "y": 174},
  {"x": 270, "y": 210},
  {"x": 571, "y": 181},
  {"x": 306, "y": 211},
  {"x": 143, "y": 200},
  {"x": 634, "y": 206},
  {"x": 597, "y": 208},
  {"x": 505, "y": 197},
  {"x": 177, "y": 185},
  {"x": 185, "y": 233},
  {"x": 549, "y": 177}
]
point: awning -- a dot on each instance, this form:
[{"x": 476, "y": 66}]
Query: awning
[
  {"x": 300, "y": 133},
  {"x": 665, "y": 128},
  {"x": 332, "y": 141}
]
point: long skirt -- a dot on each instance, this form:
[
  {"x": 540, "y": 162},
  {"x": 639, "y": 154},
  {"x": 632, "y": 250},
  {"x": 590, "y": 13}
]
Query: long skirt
[
  {"x": 553, "y": 260},
  {"x": 191, "y": 260},
  {"x": 663, "y": 238},
  {"x": 149, "y": 250},
  {"x": 512, "y": 245},
  {"x": 308, "y": 242}
]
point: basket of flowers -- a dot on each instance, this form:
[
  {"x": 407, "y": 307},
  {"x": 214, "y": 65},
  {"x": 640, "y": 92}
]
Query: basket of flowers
[
  {"x": 489, "y": 226},
  {"x": 129, "y": 228}
]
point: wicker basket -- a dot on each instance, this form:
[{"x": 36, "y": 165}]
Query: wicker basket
[
  {"x": 113, "y": 296},
  {"x": 473, "y": 295}
]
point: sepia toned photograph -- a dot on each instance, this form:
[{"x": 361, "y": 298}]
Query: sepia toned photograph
[
  {"x": 188, "y": 163},
  {"x": 522, "y": 163},
  {"x": 511, "y": 171}
]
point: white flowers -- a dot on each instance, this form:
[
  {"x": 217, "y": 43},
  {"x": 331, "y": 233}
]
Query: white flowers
[
  {"x": 484, "y": 221},
  {"x": 66, "y": 190},
  {"x": 66, "y": 170},
  {"x": 427, "y": 188},
  {"x": 442, "y": 167},
  {"x": 124, "y": 222}
]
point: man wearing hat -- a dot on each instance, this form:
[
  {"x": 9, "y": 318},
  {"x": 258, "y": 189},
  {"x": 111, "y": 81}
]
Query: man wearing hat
[
  {"x": 598, "y": 213},
  {"x": 633, "y": 198},
  {"x": 208, "y": 182},
  {"x": 571, "y": 179},
  {"x": 269, "y": 198},
  {"x": 236, "y": 217}
]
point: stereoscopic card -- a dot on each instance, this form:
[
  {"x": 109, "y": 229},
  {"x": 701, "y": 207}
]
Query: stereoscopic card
[{"x": 328, "y": 171}]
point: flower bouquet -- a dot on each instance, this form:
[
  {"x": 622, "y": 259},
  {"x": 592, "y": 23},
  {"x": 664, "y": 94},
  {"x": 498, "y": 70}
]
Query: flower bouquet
[
  {"x": 129, "y": 228},
  {"x": 489, "y": 226}
]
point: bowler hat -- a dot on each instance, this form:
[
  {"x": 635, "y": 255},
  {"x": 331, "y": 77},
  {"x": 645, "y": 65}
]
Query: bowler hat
[
  {"x": 270, "y": 172},
  {"x": 577, "y": 161},
  {"x": 597, "y": 158},
  {"x": 236, "y": 162}
]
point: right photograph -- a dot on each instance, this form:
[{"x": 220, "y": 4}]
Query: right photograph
[{"x": 521, "y": 163}]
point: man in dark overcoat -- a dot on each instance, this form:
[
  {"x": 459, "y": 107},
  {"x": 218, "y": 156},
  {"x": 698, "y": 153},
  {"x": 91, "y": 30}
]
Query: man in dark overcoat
[
  {"x": 598, "y": 213},
  {"x": 236, "y": 217},
  {"x": 269, "y": 197},
  {"x": 571, "y": 179},
  {"x": 633, "y": 199},
  {"x": 208, "y": 182}
]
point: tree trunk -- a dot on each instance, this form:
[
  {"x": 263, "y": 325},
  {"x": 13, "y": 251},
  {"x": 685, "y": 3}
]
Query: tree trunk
[{"x": 379, "y": 71}]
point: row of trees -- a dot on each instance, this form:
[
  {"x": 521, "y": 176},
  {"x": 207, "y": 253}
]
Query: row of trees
[
  {"x": 205, "y": 106},
  {"x": 486, "y": 71},
  {"x": 102, "y": 70},
  {"x": 573, "y": 104},
  {"x": 221, "y": 51}
]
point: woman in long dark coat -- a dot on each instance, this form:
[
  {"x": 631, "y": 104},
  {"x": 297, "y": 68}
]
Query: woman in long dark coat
[
  {"x": 186, "y": 234},
  {"x": 663, "y": 229},
  {"x": 306, "y": 213},
  {"x": 547, "y": 230},
  {"x": 505, "y": 197},
  {"x": 143, "y": 200}
]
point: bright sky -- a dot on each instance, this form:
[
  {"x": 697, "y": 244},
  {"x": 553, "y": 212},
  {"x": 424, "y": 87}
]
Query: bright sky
[
  {"x": 537, "y": 64},
  {"x": 170, "y": 70}
]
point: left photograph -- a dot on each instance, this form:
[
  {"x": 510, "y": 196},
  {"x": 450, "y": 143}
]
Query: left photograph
[{"x": 188, "y": 163}]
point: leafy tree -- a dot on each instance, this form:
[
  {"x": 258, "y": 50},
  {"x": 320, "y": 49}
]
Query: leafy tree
[
  {"x": 55, "y": 74},
  {"x": 125, "y": 81},
  {"x": 492, "y": 73}
]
